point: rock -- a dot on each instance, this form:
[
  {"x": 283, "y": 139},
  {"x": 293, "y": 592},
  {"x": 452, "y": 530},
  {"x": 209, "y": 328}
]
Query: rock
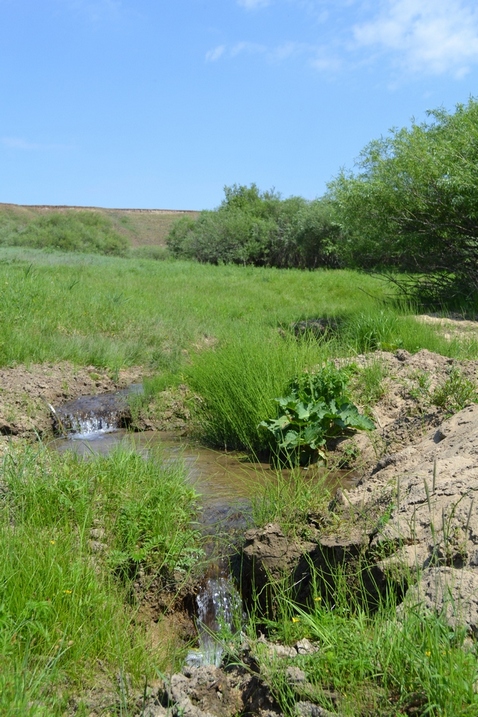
[
  {"x": 282, "y": 650},
  {"x": 432, "y": 492},
  {"x": 203, "y": 691},
  {"x": 154, "y": 711},
  {"x": 306, "y": 647},
  {"x": 448, "y": 592},
  {"x": 295, "y": 676}
]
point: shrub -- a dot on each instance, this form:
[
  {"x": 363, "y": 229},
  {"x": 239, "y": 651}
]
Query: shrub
[
  {"x": 412, "y": 206},
  {"x": 83, "y": 231},
  {"x": 253, "y": 227}
]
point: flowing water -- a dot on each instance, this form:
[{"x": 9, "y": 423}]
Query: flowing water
[{"x": 93, "y": 425}]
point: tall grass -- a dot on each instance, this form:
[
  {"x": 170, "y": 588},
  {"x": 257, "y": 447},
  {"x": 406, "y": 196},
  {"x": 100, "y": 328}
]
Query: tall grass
[
  {"x": 116, "y": 312},
  {"x": 73, "y": 534},
  {"x": 367, "y": 662},
  {"x": 238, "y": 382}
]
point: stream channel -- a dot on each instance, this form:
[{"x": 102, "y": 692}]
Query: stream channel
[{"x": 97, "y": 424}]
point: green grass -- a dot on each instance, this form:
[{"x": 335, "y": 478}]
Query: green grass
[
  {"x": 368, "y": 663},
  {"x": 224, "y": 330},
  {"x": 68, "y": 606},
  {"x": 118, "y": 312}
]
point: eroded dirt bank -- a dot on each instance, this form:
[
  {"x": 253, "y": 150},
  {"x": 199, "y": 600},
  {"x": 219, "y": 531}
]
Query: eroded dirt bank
[
  {"x": 27, "y": 391},
  {"x": 414, "y": 509}
]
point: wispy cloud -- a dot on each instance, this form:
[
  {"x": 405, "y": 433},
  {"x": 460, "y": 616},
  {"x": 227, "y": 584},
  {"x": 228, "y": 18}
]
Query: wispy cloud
[
  {"x": 430, "y": 36},
  {"x": 214, "y": 54},
  {"x": 411, "y": 38},
  {"x": 248, "y": 48},
  {"x": 319, "y": 57},
  {"x": 24, "y": 145},
  {"x": 253, "y": 4}
]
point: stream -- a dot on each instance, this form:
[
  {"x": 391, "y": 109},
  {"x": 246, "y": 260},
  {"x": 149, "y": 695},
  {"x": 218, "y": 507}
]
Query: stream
[{"x": 225, "y": 482}]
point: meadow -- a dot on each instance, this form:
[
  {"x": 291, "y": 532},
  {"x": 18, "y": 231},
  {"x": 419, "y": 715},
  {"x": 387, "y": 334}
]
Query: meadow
[{"x": 68, "y": 615}]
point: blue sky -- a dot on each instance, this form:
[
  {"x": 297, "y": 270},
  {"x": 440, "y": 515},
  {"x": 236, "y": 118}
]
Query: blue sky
[{"x": 160, "y": 103}]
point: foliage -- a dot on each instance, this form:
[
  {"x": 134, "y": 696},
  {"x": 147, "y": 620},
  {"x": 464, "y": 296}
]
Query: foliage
[
  {"x": 116, "y": 312},
  {"x": 63, "y": 612},
  {"x": 455, "y": 392},
  {"x": 316, "y": 410},
  {"x": 413, "y": 203},
  {"x": 236, "y": 384},
  {"x": 368, "y": 663},
  {"x": 253, "y": 227},
  {"x": 83, "y": 231},
  {"x": 289, "y": 498}
]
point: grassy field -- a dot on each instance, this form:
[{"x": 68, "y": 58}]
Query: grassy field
[
  {"x": 139, "y": 228},
  {"x": 117, "y": 312},
  {"x": 67, "y": 619}
]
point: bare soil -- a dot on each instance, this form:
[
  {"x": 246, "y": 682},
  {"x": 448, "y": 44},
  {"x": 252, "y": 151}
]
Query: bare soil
[{"x": 27, "y": 392}]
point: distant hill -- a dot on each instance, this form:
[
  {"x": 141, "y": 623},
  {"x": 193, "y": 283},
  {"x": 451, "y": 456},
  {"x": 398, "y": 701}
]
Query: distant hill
[{"x": 141, "y": 227}]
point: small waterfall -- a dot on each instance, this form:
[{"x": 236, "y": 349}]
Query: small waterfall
[
  {"x": 91, "y": 415},
  {"x": 219, "y": 608}
]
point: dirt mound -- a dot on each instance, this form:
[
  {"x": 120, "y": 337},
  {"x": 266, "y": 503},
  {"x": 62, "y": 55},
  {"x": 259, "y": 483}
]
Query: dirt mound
[{"x": 26, "y": 394}]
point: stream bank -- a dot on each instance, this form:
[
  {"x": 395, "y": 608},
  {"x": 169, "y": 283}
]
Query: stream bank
[{"x": 415, "y": 508}]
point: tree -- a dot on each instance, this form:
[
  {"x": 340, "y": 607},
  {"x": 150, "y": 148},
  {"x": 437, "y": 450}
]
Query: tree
[
  {"x": 260, "y": 228},
  {"x": 413, "y": 205}
]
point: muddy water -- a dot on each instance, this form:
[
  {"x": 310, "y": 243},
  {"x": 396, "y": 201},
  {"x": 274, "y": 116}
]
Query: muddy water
[
  {"x": 225, "y": 481},
  {"x": 226, "y": 484}
]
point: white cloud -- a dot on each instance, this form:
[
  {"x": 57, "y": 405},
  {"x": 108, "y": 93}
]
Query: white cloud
[
  {"x": 318, "y": 57},
  {"x": 431, "y": 36},
  {"x": 215, "y": 53},
  {"x": 326, "y": 62},
  {"x": 24, "y": 145},
  {"x": 253, "y": 4}
]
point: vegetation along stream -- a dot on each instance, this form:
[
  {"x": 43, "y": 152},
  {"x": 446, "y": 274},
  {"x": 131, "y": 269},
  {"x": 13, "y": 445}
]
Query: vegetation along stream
[{"x": 225, "y": 483}]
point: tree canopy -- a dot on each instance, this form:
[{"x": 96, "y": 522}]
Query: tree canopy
[
  {"x": 413, "y": 205},
  {"x": 261, "y": 228}
]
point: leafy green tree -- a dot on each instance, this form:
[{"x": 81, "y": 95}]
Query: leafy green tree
[
  {"x": 413, "y": 205},
  {"x": 254, "y": 227}
]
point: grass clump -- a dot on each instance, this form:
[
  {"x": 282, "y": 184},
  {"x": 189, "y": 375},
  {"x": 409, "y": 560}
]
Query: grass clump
[
  {"x": 65, "y": 605},
  {"x": 237, "y": 383},
  {"x": 290, "y": 498},
  {"x": 455, "y": 392}
]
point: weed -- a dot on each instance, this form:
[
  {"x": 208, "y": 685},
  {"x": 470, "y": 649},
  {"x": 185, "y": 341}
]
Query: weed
[
  {"x": 369, "y": 382},
  {"x": 421, "y": 391},
  {"x": 316, "y": 409},
  {"x": 367, "y": 662},
  {"x": 455, "y": 392},
  {"x": 62, "y": 611}
]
